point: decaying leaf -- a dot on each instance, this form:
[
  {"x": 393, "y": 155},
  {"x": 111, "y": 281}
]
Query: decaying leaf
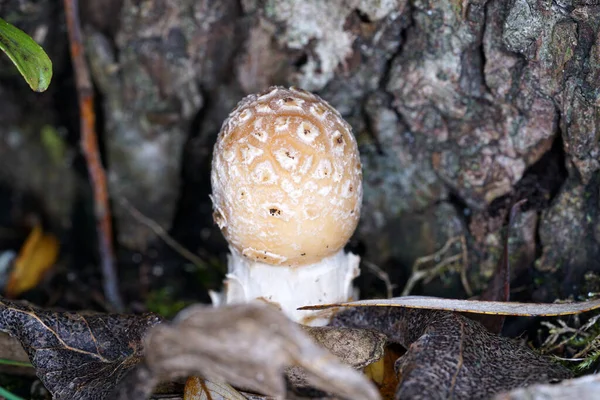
[
  {"x": 248, "y": 346},
  {"x": 383, "y": 372},
  {"x": 471, "y": 306},
  {"x": 39, "y": 253},
  {"x": 76, "y": 355},
  {"x": 355, "y": 347},
  {"x": 451, "y": 356}
]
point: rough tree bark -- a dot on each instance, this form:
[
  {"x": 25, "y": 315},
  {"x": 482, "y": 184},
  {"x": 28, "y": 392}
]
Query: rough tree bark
[{"x": 460, "y": 108}]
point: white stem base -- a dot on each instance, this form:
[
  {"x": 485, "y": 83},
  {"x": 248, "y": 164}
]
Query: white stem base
[{"x": 328, "y": 281}]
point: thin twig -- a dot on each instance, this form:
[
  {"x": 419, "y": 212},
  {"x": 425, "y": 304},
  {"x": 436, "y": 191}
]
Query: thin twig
[
  {"x": 431, "y": 257},
  {"x": 465, "y": 267},
  {"x": 588, "y": 347},
  {"x": 89, "y": 146},
  {"x": 381, "y": 274},
  {"x": 161, "y": 233},
  {"x": 428, "y": 274},
  {"x": 439, "y": 267},
  {"x": 569, "y": 334}
]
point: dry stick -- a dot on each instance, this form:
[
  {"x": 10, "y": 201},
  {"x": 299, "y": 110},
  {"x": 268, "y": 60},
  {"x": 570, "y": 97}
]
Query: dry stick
[
  {"x": 465, "y": 266},
  {"x": 381, "y": 274},
  {"x": 161, "y": 233},
  {"x": 418, "y": 274},
  {"x": 89, "y": 146},
  {"x": 427, "y": 275}
]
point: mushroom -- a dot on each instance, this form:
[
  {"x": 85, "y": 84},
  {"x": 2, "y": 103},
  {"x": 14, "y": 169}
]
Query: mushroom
[{"x": 286, "y": 190}]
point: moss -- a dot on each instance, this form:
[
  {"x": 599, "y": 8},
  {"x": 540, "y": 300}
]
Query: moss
[
  {"x": 162, "y": 301},
  {"x": 576, "y": 342},
  {"x": 589, "y": 363}
]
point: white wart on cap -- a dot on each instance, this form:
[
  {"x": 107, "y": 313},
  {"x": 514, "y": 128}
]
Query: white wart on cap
[{"x": 286, "y": 178}]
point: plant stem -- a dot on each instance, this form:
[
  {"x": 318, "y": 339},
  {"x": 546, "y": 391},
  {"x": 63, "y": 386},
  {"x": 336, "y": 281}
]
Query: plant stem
[
  {"x": 89, "y": 146},
  {"x": 5, "y": 361}
]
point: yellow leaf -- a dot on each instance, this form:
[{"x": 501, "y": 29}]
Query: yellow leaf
[
  {"x": 383, "y": 374},
  {"x": 376, "y": 371},
  {"x": 37, "y": 255}
]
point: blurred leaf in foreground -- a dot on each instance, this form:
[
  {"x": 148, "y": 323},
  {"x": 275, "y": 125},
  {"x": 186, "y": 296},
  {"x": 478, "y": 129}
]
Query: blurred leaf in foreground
[
  {"x": 30, "y": 59},
  {"x": 249, "y": 346}
]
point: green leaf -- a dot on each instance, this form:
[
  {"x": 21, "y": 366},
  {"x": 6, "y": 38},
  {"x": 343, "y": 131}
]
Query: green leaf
[
  {"x": 30, "y": 59},
  {"x": 8, "y": 395}
]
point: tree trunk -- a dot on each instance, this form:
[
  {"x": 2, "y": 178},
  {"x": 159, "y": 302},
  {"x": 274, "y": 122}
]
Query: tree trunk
[{"x": 460, "y": 108}]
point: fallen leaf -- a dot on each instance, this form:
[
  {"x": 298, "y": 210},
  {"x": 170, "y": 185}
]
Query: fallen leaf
[
  {"x": 471, "y": 306},
  {"x": 77, "y": 356},
  {"x": 37, "y": 255},
  {"x": 383, "y": 371},
  {"x": 355, "y": 347},
  {"x": 451, "y": 356},
  {"x": 248, "y": 346}
]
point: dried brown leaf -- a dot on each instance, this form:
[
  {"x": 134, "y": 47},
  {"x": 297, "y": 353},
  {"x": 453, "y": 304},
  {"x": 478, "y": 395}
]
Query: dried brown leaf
[
  {"x": 248, "y": 346},
  {"x": 451, "y": 356},
  {"x": 76, "y": 355},
  {"x": 355, "y": 347},
  {"x": 471, "y": 306}
]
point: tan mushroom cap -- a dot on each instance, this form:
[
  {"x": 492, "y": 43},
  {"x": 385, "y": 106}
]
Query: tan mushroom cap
[{"x": 286, "y": 178}]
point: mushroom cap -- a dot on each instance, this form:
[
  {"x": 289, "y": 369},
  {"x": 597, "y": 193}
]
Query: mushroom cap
[{"x": 286, "y": 178}]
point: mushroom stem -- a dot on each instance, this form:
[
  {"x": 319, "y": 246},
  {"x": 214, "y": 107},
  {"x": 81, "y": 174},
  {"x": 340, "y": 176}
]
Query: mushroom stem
[{"x": 326, "y": 281}]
